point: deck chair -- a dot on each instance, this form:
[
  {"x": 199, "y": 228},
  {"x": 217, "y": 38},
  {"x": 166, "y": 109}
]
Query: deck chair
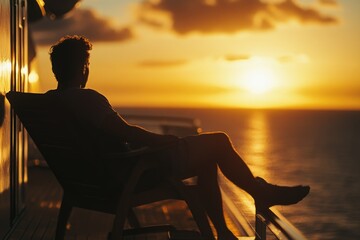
[{"x": 84, "y": 179}]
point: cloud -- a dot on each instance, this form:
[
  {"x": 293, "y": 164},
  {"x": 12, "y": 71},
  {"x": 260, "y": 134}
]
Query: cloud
[
  {"x": 84, "y": 22},
  {"x": 299, "y": 58},
  {"x": 162, "y": 63},
  {"x": 233, "y": 58},
  {"x": 227, "y": 16},
  {"x": 171, "y": 88},
  {"x": 289, "y": 10},
  {"x": 328, "y": 2},
  {"x": 182, "y": 89},
  {"x": 331, "y": 92}
]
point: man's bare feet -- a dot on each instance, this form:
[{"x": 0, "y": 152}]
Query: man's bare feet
[{"x": 269, "y": 195}]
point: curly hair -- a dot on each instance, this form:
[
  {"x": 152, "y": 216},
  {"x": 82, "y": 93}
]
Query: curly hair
[{"x": 69, "y": 56}]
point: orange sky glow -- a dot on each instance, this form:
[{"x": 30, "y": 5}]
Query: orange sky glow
[{"x": 224, "y": 53}]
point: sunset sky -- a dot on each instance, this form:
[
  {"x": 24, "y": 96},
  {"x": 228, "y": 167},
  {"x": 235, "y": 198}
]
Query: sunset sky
[{"x": 216, "y": 53}]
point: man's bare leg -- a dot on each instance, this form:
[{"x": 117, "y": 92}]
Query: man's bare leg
[
  {"x": 211, "y": 198},
  {"x": 216, "y": 148}
]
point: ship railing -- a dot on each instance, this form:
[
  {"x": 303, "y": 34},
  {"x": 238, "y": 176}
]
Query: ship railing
[
  {"x": 277, "y": 224},
  {"x": 268, "y": 223}
]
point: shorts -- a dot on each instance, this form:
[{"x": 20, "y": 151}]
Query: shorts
[{"x": 175, "y": 162}]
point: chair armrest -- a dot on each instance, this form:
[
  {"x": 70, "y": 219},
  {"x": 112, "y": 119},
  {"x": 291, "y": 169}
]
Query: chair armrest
[
  {"x": 128, "y": 154},
  {"x": 138, "y": 152}
]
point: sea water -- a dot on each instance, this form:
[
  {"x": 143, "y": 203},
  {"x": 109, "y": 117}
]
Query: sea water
[{"x": 316, "y": 148}]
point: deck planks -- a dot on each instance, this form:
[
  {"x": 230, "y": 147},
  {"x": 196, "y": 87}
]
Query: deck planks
[{"x": 43, "y": 198}]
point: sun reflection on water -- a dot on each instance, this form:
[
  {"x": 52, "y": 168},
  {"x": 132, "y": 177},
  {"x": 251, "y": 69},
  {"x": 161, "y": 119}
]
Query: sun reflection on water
[{"x": 257, "y": 145}]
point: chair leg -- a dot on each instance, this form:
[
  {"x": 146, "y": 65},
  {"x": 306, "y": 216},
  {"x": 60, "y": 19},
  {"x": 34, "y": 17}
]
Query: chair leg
[
  {"x": 124, "y": 203},
  {"x": 120, "y": 218},
  {"x": 63, "y": 217},
  {"x": 132, "y": 219}
]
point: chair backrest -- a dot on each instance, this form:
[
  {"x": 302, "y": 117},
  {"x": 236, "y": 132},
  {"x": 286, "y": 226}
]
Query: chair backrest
[{"x": 67, "y": 151}]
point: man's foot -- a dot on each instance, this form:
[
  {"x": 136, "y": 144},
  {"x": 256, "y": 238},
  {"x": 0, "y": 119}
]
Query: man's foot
[{"x": 270, "y": 195}]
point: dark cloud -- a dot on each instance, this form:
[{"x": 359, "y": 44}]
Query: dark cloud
[
  {"x": 290, "y": 10},
  {"x": 227, "y": 16},
  {"x": 160, "y": 63},
  {"x": 81, "y": 22}
]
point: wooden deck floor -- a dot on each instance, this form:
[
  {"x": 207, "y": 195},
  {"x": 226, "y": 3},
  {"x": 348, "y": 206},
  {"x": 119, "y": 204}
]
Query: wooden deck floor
[{"x": 43, "y": 201}]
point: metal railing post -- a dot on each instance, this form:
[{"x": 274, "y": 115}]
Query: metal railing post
[{"x": 260, "y": 227}]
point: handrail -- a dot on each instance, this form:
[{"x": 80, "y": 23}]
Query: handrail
[
  {"x": 277, "y": 224},
  {"x": 270, "y": 219}
]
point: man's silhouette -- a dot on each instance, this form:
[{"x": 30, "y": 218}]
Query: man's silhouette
[{"x": 198, "y": 155}]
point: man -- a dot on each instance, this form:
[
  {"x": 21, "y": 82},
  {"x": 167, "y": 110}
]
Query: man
[{"x": 198, "y": 155}]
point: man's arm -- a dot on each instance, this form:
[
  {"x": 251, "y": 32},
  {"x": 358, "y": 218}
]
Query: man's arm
[
  {"x": 94, "y": 109},
  {"x": 116, "y": 125}
]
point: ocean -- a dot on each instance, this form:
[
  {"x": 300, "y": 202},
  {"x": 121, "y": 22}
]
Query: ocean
[{"x": 313, "y": 147}]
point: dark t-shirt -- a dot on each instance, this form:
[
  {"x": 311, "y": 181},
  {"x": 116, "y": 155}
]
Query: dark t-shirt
[
  {"x": 91, "y": 111},
  {"x": 87, "y": 106}
]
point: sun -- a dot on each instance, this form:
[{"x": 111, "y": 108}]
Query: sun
[{"x": 259, "y": 80}]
